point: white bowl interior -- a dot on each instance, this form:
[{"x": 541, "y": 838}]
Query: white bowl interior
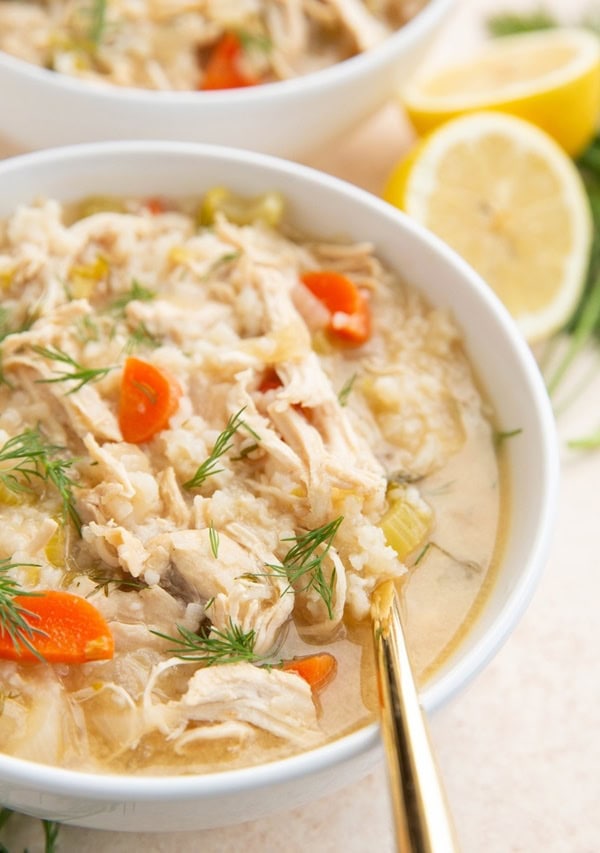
[{"x": 318, "y": 205}]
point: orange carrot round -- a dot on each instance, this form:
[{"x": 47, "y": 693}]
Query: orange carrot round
[
  {"x": 66, "y": 629},
  {"x": 350, "y": 315},
  {"x": 224, "y": 68},
  {"x": 148, "y": 399},
  {"x": 318, "y": 670}
]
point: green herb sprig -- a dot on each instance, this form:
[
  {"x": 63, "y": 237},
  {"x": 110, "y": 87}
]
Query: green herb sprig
[
  {"x": 50, "y": 827},
  {"x": 12, "y": 615},
  {"x": 231, "y": 645},
  {"x": 27, "y": 457},
  {"x": 79, "y": 374},
  {"x": 222, "y": 445},
  {"x": 136, "y": 293},
  {"x": 303, "y": 563},
  {"x": 346, "y": 390}
]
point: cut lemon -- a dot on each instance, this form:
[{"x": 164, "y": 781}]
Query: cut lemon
[
  {"x": 509, "y": 200},
  {"x": 550, "y": 78}
]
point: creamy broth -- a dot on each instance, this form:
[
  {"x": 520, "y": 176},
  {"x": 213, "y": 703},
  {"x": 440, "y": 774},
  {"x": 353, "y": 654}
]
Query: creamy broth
[{"x": 343, "y": 419}]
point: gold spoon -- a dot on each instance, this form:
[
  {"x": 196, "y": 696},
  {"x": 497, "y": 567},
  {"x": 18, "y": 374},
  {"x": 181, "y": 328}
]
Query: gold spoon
[{"x": 422, "y": 819}]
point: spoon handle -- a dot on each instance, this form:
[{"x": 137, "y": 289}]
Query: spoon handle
[{"x": 422, "y": 818}]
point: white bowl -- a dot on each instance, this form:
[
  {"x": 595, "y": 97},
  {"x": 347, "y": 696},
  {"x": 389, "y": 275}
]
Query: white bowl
[
  {"x": 41, "y": 108},
  {"x": 318, "y": 205}
]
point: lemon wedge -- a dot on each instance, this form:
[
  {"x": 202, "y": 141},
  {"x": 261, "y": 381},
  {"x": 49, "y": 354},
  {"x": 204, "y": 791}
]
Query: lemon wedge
[
  {"x": 550, "y": 78},
  {"x": 509, "y": 200}
]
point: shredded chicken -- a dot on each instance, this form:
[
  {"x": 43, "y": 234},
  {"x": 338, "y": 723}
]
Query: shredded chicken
[{"x": 204, "y": 542}]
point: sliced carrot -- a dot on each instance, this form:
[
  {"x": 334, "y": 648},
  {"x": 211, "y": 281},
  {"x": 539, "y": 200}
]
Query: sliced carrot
[
  {"x": 270, "y": 381},
  {"x": 66, "y": 629},
  {"x": 318, "y": 670},
  {"x": 350, "y": 315},
  {"x": 155, "y": 205},
  {"x": 224, "y": 67},
  {"x": 148, "y": 399}
]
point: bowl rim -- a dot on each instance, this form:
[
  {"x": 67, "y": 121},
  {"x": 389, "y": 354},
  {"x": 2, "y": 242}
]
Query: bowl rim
[
  {"x": 131, "y": 788},
  {"x": 345, "y": 71}
]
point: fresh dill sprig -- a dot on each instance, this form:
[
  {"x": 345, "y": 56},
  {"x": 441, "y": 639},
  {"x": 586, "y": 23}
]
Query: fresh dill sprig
[
  {"x": 20, "y": 457},
  {"x": 141, "y": 336},
  {"x": 250, "y": 41},
  {"x": 346, "y": 390},
  {"x": 97, "y": 21},
  {"x": 222, "y": 445},
  {"x": 584, "y": 325},
  {"x": 50, "y": 827},
  {"x": 80, "y": 374},
  {"x": 304, "y": 562},
  {"x": 500, "y": 436},
  {"x": 12, "y": 615},
  {"x": 231, "y": 645},
  {"x": 27, "y": 456},
  {"x": 104, "y": 582},
  {"x": 213, "y": 538},
  {"x": 513, "y": 23},
  {"x": 136, "y": 293}
]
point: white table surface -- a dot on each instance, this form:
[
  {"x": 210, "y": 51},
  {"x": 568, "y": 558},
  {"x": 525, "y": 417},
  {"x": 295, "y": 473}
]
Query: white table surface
[{"x": 520, "y": 748}]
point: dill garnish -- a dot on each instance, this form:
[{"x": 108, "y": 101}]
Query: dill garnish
[
  {"x": 51, "y": 829},
  {"x": 584, "y": 323},
  {"x": 231, "y": 645},
  {"x": 255, "y": 41},
  {"x": 222, "y": 445},
  {"x": 141, "y": 336},
  {"x": 136, "y": 293},
  {"x": 500, "y": 436},
  {"x": 512, "y": 23},
  {"x": 82, "y": 375},
  {"x": 468, "y": 565},
  {"x": 213, "y": 536},
  {"x": 27, "y": 456},
  {"x": 104, "y": 582},
  {"x": 304, "y": 562},
  {"x": 97, "y": 21},
  {"x": 346, "y": 390},
  {"x": 12, "y": 615}
]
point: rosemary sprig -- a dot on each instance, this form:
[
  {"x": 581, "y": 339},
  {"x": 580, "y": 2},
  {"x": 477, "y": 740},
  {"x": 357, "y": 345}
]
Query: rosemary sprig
[
  {"x": 222, "y": 445},
  {"x": 27, "y": 456},
  {"x": 82, "y": 375},
  {"x": 136, "y": 293},
  {"x": 304, "y": 562},
  {"x": 231, "y": 645},
  {"x": 12, "y": 615}
]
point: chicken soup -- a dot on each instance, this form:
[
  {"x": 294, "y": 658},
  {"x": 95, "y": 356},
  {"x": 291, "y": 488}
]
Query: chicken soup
[
  {"x": 216, "y": 438},
  {"x": 209, "y": 45}
]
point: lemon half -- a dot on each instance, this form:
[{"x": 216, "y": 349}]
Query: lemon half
[
  {"x": 509, "y": 200},
  {"x": 551, "y": 78}
]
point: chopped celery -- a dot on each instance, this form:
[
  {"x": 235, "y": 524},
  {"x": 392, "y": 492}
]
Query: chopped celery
[
  {"x": 267, "y": 208},
  {"x": 405, "y": 526}
]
